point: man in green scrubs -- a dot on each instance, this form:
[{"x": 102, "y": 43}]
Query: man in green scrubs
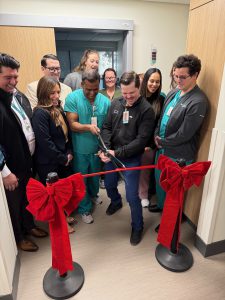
[{"x": 86, "y": 110}]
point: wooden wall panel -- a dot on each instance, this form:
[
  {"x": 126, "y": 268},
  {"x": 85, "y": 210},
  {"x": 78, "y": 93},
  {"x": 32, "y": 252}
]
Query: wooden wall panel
[
  {"x": 196, "y": 3},
  {"x": 206, "y": 39},
  {"x": 27, "y": 45}
]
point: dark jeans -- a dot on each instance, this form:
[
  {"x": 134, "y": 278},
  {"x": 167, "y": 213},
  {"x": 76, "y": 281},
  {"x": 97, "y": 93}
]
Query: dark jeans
[
  {"x": 22, "y": 219},
  {"x": 131, "y": 187}
]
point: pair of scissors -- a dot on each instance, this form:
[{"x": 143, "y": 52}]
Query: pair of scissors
[{"x": 115, "y": 161}]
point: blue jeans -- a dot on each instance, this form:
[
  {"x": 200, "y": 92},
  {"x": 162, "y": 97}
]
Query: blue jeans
[{"x": 131, "y": 187}]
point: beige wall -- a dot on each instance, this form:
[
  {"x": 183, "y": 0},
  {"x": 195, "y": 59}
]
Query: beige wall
[{"x": 161, "y": 24}]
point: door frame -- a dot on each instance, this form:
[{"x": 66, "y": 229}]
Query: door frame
[{"x": 126, "y": 26}]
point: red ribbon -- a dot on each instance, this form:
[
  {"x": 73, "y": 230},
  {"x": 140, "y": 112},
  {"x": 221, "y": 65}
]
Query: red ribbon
[
  {"x": 48, "y": 204},
  {"x": 175, "y": 180}
]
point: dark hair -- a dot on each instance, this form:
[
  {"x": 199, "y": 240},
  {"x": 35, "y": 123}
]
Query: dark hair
[
  {"x": 129, "y": 77},
  {"x": 154, "y": 99},
  {"x": 44, "y": 88},
  {"x": 81, "y": 67},
  {"x": 8, "y": 61},
  {"x": 192, "y": 62},
  {"x": 48, "y": 56},
  {"x": 109, "y": 70},
  {"x": 91, "y": 76}
]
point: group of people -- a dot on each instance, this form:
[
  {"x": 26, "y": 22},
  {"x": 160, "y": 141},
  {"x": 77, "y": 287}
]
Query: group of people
[{"x": 135, "y": 121}]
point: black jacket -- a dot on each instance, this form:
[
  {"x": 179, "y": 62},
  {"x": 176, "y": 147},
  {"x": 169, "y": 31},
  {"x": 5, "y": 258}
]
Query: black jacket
[
  {"x": 12, "y": 138},
  {"x": 51, "y": 146},
  {"x": 128, "y": 139},
  {"x": 183, "y": 128}
]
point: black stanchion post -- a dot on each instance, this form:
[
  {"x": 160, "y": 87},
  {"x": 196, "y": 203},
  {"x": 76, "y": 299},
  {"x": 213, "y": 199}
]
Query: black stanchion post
[
  {"x": 63, "y": 286},
  {"x": 172, "y": 259}
]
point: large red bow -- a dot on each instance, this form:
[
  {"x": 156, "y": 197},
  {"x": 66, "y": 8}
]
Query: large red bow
[
  {"x": 48, "y": 204},
  {"x": 175, "y": 180}
]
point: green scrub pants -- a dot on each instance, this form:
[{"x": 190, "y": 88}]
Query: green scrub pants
[{"x": 85, "y": 164}]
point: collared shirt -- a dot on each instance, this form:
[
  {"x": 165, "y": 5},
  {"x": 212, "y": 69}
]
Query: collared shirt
[{"x": 25, "y": 122}]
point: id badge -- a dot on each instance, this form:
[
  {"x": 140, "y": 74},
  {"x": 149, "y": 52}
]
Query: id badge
[
  {"x": 169, "y": 111},
  {"x": 94, "y": 121},
  {"x": 125, "y": 117}
]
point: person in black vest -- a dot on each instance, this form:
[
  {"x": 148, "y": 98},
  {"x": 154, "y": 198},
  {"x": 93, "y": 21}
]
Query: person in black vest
[{"x": 18, "y": 141}]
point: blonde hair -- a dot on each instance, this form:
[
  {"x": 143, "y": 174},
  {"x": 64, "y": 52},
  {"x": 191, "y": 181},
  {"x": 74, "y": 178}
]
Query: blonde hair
[{"x": 82, "y": 65}]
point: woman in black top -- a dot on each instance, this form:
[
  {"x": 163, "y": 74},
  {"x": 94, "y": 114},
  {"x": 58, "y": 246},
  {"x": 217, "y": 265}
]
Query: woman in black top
[
  {"x": 53, "y": 151},
  {"x": 151, "y": 90}
]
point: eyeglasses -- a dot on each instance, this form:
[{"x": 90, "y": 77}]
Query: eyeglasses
[
  {"x": 109, "y": 78},
  {"x": 182, "y": 78},
  {"x": 52, "y": 69}
]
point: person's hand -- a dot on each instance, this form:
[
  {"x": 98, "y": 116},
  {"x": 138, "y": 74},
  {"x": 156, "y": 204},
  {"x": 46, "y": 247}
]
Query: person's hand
[
  {"x": 69, "y": 158},
  {"x": 10, "y": 182},
  {"x": 94, "y": 129},
  {"x": 105, "y": 158},
  {"x": 157, "y": 141}
]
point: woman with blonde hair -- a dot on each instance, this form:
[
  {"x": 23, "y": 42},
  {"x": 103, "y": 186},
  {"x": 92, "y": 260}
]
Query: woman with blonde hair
[
  {"x": 53, "y": 152},
  {"x": 89, "y": 60}
]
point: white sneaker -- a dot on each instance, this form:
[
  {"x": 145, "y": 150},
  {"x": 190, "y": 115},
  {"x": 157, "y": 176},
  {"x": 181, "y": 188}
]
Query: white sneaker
[
  {"x": 96, "y": 200},
  {"x": 87, "y": 218},
  {"x": 144, "y": 203}
]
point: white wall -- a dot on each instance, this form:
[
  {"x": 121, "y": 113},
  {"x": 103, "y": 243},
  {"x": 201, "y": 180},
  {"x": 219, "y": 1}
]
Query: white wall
[
  {"x": 8, "y": 250},
  {"x": 161, "y": 24}
]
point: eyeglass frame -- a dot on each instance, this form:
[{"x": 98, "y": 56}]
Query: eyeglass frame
[
  {"x": 182, "y": 78},
  {"x": 53, "y": 69},
  {"x": 110, "y": 78}
]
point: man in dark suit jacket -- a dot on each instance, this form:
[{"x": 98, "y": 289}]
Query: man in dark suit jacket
[{"x": 18, "y": 141}]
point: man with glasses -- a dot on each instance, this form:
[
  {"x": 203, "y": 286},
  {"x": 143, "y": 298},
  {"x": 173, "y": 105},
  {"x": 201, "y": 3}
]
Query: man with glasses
[
  {"x": 50, "y": 66},
  {"x": 184, "y": 110}
]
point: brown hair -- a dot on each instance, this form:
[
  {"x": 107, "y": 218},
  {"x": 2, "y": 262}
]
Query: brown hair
[
  {"x": 45, "y": 86},
  {"x": 81, "y": 67},
  {"x": 129, "y": 77}
]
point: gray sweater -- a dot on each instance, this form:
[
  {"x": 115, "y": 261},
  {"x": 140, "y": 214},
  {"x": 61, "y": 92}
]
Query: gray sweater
[{"x": 73, "y": 80}]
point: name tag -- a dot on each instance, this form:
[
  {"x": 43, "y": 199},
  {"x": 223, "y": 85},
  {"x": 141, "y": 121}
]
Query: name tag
[
  {"x": 125, "y": 117},
  {"x": 94, "y": 121}
]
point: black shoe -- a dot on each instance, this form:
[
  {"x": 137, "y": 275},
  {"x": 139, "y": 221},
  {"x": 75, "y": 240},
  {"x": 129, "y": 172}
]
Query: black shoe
[
  {"x": 113, "y": 208},
  {"x": 157, "y": 228},
  {"x": 154, "y": 208},
  {"x": 135, "y": 237}
]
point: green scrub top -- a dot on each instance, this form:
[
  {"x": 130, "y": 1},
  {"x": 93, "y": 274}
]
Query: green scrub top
[
  {"x": 167, "y": 113},
  {"x": 76, "y": 102}
]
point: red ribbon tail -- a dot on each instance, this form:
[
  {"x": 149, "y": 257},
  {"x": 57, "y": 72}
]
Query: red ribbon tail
[
  {"x": 171, "y": 211},
  {"x": 61, "y": 249}
]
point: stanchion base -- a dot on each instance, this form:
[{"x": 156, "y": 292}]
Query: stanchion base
[
  {"x": 57, "y": 287},
  {"x": 179, "y": 262}
]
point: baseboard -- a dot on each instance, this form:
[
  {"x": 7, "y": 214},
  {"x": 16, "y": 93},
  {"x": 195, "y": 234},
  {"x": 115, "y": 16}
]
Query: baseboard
[
  {"x": 210, "y": 249},
  {"x": 15, "y": 283}
]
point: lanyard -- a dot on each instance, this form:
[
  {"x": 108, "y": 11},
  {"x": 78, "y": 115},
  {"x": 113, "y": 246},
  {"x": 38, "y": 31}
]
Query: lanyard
[
  {"x": 93, "y": 110},
  {"x": 15, "y": 105}
]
